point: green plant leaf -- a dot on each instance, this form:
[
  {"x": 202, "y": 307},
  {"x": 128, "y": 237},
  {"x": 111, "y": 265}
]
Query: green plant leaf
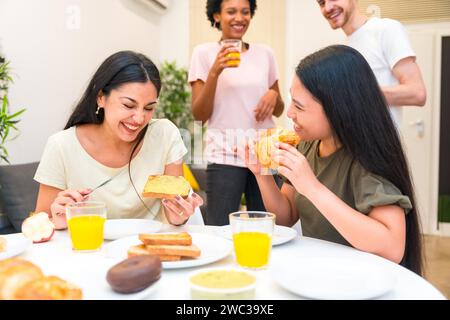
[
  {"x": 7, "y": 120},
  {"x": 18, "y": 113}
]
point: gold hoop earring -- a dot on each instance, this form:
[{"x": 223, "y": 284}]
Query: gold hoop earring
[{"x": 98, "y": 110}]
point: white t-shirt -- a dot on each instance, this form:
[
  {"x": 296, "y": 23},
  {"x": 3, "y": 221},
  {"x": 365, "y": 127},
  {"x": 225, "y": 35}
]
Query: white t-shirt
[
  {"x": 383, "y": 43},
  {"x": 237, "y": 95},
  {"x": 65, "y": 164}
]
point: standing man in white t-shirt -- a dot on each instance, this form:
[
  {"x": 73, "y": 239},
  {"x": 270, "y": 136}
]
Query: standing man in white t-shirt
[{"x": 385, "y": 45}]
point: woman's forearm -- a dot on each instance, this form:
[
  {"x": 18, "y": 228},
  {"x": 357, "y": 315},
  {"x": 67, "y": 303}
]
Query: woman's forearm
[
  {"x": 203, "y": 98},
  {"x": 275, "y": 201},
  {"x": 384, "y": 238}
]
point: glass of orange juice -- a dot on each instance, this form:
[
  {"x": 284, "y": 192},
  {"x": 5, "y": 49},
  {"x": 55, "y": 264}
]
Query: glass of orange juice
[
  {"x": 236, "y": 47},
  {"x": 252, "y": 237},
  {"x": 85, "y": 221}
]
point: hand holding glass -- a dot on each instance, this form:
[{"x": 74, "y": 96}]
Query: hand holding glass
[
  {"x": 85, "y": 221},
  {"x": 236, "y": 46},
  {"x": 252, "y": 237}
]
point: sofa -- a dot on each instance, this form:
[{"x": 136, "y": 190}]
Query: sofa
[{"x": 18, "y": 195}]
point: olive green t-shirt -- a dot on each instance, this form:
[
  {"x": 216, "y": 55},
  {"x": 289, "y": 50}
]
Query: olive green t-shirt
[{"x": 346, "y": 178}]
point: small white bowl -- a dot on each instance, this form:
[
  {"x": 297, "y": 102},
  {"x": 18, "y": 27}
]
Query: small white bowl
[
  {"x": 215, "y": 284},
  {"x": 120, "y": 228}
]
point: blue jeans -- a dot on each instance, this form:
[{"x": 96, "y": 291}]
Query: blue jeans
[{"x": 224, "y": 188}]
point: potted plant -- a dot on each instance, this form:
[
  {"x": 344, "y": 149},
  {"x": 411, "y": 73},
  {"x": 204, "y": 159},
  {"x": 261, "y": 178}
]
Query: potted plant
[
  {"x": 7, "y": 120},
  {"x": 175, "y": 104},
  {"x": 175, "y": 98}
]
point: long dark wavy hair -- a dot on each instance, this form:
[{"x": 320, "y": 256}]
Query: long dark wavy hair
[
  {"x": 340, "y": 78},
  {"x": 118, "y": 69}
]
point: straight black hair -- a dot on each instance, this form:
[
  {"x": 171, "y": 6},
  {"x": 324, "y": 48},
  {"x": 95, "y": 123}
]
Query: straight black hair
[
  {"x": 214, "y": 6},
  {"x": 341, "y": 79},
  {"x": 118, "y": 69}
]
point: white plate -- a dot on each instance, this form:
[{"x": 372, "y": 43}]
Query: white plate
[
  {"x": 281, "y": 234},
  {"x": 332, "y": 278},
  {"x": 121, "y": 228},
  {"x": 15, "y": 244},
  {"x": 92, "y": 280},
  {"x": 212, "y": 248}
]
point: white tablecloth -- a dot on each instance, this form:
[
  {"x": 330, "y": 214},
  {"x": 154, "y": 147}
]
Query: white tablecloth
[{"x": 56, "y": 257}]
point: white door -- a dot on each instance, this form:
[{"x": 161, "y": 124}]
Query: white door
[{"x": 420, "y": 131}]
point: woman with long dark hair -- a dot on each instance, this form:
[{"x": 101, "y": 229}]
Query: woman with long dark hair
[
  {"x": 348, "y": 181},
  {"x": 111, "y": 134}
]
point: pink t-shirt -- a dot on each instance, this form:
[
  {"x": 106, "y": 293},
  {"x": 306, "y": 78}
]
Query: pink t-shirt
[{"x": 237, "y": 95}]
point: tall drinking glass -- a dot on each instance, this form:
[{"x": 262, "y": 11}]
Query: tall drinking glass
[
  {"x": 252, "y": 237},
  {"x": 85, "y": 221}
]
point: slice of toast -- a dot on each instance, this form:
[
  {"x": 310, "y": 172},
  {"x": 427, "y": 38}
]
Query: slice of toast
[
  {"x": 142, "y": 250},
  {"x": 166, "y": 250},
  {"x": 182, "y": 239},
  {"x": 139, "y": 250},
  {"x": 166, "y": 187}
]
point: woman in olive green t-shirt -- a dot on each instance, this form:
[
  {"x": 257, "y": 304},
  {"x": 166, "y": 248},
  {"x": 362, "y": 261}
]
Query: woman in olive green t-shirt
[{"x": 348, "y": 181}]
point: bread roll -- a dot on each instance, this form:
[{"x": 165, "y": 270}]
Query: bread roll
[{"x": 265, "y": 144}]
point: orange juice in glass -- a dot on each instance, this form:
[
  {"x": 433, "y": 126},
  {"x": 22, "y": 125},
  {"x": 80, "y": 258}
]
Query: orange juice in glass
[
  {"x": 85, "y": 221},
  {"x": 252, "y": 237},
  {"x": 236, "y": 47}
]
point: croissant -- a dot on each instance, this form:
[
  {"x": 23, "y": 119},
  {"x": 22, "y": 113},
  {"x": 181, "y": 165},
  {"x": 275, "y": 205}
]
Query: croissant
[
  {"x": 15, "y": 273},
  {"x": 21, "y": 279},
  {"x": 48, "y": 288},
  {"x": 265, "y": 144}
]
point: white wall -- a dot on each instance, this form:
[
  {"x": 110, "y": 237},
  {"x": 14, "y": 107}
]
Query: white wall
[
  {"x": 174, "y": 32},
  {"x": 306, "y": 32},
  {"x": 54, "y": 59}
]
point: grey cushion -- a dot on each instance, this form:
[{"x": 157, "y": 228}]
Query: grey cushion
[{"x": 18, "y": 192}]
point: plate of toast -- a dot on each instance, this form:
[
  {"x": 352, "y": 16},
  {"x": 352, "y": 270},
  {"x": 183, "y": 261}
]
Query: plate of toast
[
  {"x": 280, "y": 235},
  {"x": 176, "y": 250}
]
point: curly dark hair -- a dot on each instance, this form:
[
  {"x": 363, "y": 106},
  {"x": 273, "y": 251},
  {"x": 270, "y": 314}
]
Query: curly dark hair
[{"x": 214, "y": 6}]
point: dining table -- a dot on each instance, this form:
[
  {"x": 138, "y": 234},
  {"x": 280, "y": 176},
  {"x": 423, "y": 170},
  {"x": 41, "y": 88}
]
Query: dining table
[{"x": 56, "y": 257}]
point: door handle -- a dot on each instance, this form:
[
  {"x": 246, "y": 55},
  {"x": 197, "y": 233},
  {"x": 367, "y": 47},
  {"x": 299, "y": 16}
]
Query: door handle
[{"x": 419, "y": 126}]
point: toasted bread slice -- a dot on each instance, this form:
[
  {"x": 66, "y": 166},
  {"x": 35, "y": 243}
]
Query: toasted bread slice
[
  {"x": 166, "y": 250},
  {"x": 166, "y": 187},
  {"x": 182, "y": 239},
  {"x": 169, "y": 258},
  {"x": 141, "y": 250}
]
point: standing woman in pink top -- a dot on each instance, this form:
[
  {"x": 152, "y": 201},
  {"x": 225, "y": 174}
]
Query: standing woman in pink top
[{"x": 235, "y": 100}]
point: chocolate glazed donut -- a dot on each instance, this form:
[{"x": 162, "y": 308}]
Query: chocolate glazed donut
[{"x": 134, "y": 274}]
